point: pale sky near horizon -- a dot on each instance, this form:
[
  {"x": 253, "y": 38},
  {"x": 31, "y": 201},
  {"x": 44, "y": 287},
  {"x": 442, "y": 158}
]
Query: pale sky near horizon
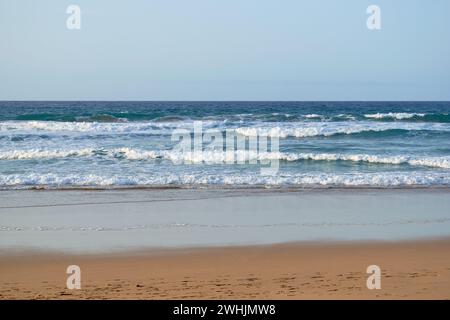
[{"x": 224, "y": 50}]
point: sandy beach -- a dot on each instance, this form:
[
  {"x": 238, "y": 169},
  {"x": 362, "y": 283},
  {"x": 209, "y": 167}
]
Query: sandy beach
[
  {"x": 225, "y": 244},
  {"x": 410, "y": 270}
]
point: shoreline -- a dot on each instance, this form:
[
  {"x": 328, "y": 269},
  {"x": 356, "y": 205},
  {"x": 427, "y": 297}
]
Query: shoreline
[
  {"x": 128, "y": 220},
  {"x": 416, "y": 269},
  {"x": 244, "y": 187}
]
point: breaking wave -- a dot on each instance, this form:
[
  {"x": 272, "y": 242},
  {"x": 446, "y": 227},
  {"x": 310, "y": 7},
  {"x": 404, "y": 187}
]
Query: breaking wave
[
  {"x": 215, "y": 156},
  {"x": 305, "y": 130},
  {"x": 277, "y": 129},
  {"x": 422, "y": 117},
  {"x": 382, "y": 179}
]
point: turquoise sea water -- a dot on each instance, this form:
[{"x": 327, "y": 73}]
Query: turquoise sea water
[{"x": 321, "y": 144}]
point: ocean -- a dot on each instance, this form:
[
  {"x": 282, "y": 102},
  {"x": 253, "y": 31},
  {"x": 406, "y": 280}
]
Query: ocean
[{"x": 59, "y": 145}]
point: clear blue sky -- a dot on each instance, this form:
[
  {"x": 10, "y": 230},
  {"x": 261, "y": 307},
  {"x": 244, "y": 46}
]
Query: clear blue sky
[{"x": 225, "y": 50}]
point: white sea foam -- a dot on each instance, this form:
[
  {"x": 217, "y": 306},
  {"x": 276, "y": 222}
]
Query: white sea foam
[
  {"x": 218, "y": 157},
  {"x": 394, "y": 115},
  {"x": 275, "y": 129},
  {"x": 382, "y": 179},
  {"x": 308, "y": 129},
  {"x": 346, "y": 116},
  {"x": 43, "y": 154},
  {"x": 313, "y": 116},
  {"x": 96, "y": 127},
  {"x": 439, "y": 162}
]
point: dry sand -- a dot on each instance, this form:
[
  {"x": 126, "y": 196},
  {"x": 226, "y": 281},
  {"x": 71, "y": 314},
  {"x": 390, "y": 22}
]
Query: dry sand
[{"x": 410, "y": 270}]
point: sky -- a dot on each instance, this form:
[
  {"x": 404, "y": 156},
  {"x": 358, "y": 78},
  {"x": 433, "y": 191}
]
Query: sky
[{"x": 225, "y": 50}]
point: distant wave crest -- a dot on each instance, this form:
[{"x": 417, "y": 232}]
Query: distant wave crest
[
  {"x": 305, "y": 130},
  {"x": 394, "y": 115},
  {"x": 276, "y": 129},
  {"x": 410, "y": 116},
  {"x": 113, "y": 117}
]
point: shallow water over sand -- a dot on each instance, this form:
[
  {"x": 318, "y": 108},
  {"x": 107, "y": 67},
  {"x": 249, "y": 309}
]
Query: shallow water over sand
[{"x": 117, "y": 220}]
